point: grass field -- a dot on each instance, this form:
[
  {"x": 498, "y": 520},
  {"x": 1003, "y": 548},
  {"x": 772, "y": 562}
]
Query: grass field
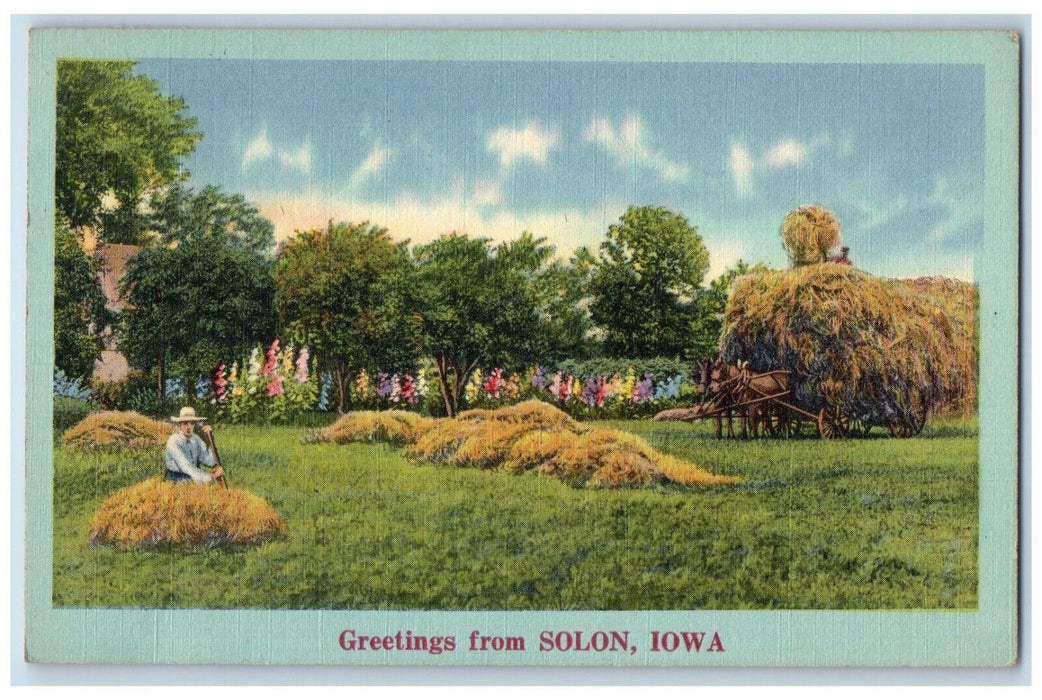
[{"x": 875, "y": 523}]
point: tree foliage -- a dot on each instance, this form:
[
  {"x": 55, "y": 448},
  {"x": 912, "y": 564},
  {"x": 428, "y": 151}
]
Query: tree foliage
[
  {"x": 347, "y": 292},
  {"x": 78, "y": 306},
  {"x": 477, "y": 307},
  {"x": 710, "y": 304},
  {"x": 194, "y": 305},
  {"x": 808, "y": 233},
  {"x": 115, "y": 135},
  {"x": 560, "y": 292},
  {"x": 179, "y": 214},
  {"x": 643, "y": 285}
]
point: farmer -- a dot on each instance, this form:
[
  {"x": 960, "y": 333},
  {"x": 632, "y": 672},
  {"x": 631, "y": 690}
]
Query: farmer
[
  {"x": 185, "y": 451},
  {"x": 843, "y": 258}
]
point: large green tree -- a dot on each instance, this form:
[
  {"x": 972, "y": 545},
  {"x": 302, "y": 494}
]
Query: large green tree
[
  {"x": 118, "y": 137},
  {"x": 78, "y": 306},
  {"x": 178, "y": 214},
  {"x": 560, "y": 292},
  {"x": 477, "y": 307},
  {"x": 643, "y": 285},
  {"x": 347, "y": 292},
  {"x": 191, "y": 306}
]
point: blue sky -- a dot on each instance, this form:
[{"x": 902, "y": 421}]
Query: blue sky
[{"x": 561, "y": 149}]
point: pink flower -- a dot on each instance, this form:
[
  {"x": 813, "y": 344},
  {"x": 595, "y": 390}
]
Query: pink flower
[
  {"x": 275, "y": 386},
  {"x": 220, "y": 384},
  {"x": 492, "y": 383},
  {"x": 271, "y": 364},
  {"x": 302, "y": 366},
  {"x": 555, "y": 386},
  {"x": 566, "y": 388},
  {"x": 409, "y": 389}
]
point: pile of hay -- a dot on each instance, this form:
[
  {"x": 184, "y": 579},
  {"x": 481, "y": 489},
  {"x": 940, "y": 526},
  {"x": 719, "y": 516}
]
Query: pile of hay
[
  {"x": 955, "y": 302},
  {"x": 528, "y": 436},
  {"x": 808, "y": 233},
  {"x": 160, "y": 513},
  {"x": 113, "y": 430},
  {"x": 884, "y": 350},
  {"x": 395, "y": 427}
]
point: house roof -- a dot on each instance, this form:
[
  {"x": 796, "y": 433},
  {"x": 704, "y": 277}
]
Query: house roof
[{"x": 113, "y": 259}]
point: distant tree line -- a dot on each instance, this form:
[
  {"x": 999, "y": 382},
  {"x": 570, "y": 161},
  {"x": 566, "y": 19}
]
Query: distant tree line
[{"x": 210, "y": 284}]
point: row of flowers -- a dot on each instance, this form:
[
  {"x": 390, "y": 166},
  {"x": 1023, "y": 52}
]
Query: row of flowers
[{"x": 279, "y": 384}]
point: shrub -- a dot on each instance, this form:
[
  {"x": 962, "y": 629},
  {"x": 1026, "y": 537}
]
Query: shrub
[
  {"x": 68, "y": 412},
  {"x": 159, "y": 513},
  {"x": 113, "y": 430},
  {"x": 114, "y": 395}
]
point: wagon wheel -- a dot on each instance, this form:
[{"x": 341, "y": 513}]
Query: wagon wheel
[
  {"x": 833, "y": 423},
  {"x": 910, "y": 426}
]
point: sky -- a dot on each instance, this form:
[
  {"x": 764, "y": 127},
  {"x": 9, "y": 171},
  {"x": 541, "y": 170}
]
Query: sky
[{"x": 561, "y": 149}]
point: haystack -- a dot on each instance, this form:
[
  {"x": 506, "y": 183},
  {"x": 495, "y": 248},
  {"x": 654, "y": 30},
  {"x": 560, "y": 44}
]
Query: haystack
[
  {"x": 885, "y": 351},
  {"x": 161, "y": 513},
  {"x": 113, "y": 430},
  {"x": 536, "y": 436},
  {"x": 396, "y": 427},
  {"x": 808, "y": 233}
]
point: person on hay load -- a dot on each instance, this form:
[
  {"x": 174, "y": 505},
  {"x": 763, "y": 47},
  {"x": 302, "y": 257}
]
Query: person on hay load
[
  {"x": 185, "y": 451},
  {"x": 843, "y": 257}
]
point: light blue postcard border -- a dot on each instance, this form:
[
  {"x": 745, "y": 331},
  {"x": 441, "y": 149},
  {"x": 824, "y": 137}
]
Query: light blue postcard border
[{"x": 986, "y": 637}]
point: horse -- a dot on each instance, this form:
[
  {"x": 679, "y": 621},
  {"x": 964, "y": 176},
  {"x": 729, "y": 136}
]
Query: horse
[
  {"x": 734, "y": 385},
  {"x": 716, "y": 383}
]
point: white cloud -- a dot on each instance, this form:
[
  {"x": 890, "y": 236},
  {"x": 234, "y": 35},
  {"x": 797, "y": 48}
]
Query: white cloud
[
  {"x": 300, "y": 159},
  {"x": 782, "y": 154},
  {"x": 742, "y": 165},
  {"x": 257, "y": 149},
  {"x": 260, "y": 148},
  {"x": 630, "y": 146},
  {"x": 373, "y": 165},
  {"x": 533, "y": 142}
]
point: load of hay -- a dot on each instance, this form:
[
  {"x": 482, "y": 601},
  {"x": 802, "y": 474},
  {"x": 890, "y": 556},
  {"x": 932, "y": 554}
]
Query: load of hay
[
  {"x": 158, "y": 513},
  {"x": 530, "y": 436},
  {"x": 885, "y": 351},
  {"x": 115, "y": 430}
]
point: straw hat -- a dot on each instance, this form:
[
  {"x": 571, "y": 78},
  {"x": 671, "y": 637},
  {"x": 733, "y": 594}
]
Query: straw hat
[{"x": 187, "y": 414}]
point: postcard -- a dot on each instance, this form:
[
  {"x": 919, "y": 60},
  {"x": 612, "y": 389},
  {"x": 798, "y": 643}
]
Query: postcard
[{"x": 523, "y": 348}]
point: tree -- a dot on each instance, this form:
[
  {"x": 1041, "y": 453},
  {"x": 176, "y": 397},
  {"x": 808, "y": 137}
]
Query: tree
[
  {"x": 194, "y": 305},
  {"x": 643, "y": 284},
  {"x": 116, "y": 136},
  {"x": 710, "y": 304},
  {"x": 178, "y": 214},
  {"x": 808, "y": 233},
  {"x": 347, "y": 292},
  {"x": 79, "y": 307},
  {"x": 476, "y": 306},
  {"x": 561, "y": 297}
]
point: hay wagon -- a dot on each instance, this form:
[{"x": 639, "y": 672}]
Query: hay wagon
[{"x": 778, "y": 413}]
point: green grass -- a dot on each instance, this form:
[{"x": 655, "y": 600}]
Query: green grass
[{"x": 876, "y": 523}]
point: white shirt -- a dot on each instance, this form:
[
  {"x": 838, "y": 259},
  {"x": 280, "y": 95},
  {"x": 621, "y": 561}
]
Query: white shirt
[{"x": 183, "y": 454}]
